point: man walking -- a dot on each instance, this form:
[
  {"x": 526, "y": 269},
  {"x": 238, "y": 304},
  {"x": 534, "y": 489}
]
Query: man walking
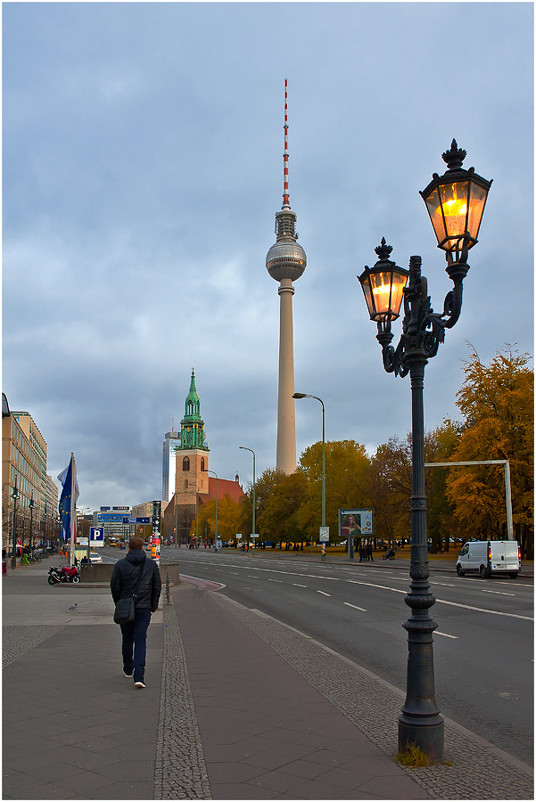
[{"x": 136, "y": 570}]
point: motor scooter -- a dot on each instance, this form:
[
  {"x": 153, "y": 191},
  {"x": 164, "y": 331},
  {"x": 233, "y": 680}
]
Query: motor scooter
[{"x": 65, "y": 574}]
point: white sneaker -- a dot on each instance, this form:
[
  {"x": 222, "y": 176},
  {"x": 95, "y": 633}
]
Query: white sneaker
[{"x": 139, "y": 684}]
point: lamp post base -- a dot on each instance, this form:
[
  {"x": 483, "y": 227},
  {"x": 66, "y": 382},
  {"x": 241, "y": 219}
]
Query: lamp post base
[{"x": 428, "y": 737}]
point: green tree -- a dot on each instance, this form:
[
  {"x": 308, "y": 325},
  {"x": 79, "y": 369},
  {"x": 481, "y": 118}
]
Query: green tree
[
  {"x": 347, "y": 467},
  {"x": 439, "y": 445},
  {"x": 389, "y": 489},
  {"x": 228, "y": 518},
  {"x": 264, "y": 488},
  {"x": 497, "y": 405},
  {"x": 279, "y": 519}
]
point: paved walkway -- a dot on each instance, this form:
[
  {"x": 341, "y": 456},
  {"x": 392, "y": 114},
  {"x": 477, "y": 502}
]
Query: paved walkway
[{"x": 237, "y": 706}]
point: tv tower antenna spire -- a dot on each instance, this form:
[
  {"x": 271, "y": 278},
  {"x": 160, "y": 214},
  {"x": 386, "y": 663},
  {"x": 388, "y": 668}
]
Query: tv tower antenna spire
[{"x": 286, "y": 201}]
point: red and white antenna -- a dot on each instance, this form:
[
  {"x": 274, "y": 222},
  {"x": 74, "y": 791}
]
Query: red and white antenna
[{"x": 286, "y": 202}]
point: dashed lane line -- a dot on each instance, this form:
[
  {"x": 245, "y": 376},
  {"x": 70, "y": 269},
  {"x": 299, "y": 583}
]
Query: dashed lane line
[
  {"x": 363, "y": 609},
  {"x": 323, "y": 594}
]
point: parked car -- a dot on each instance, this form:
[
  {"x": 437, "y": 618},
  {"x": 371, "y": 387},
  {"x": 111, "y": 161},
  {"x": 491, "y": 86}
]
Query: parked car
[
  {"x": 487, "y": 557},
  {"x": 94, "y": 557}
]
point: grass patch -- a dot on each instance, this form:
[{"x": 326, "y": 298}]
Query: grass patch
[{"x": 413, "y": 756}]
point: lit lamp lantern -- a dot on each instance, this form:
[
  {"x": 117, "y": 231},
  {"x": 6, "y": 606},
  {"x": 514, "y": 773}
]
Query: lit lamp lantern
[
  {"x": 455, "y": 202},
  {"x": 383, "y": 286}
]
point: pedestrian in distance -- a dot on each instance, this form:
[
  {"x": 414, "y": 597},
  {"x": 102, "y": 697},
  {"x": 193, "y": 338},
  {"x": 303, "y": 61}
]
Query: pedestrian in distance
[{"x": 136, "y": 574}]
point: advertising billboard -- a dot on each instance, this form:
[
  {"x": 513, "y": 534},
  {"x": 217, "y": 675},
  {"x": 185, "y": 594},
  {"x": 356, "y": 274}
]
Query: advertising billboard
[{"x": 356, "y": 523}]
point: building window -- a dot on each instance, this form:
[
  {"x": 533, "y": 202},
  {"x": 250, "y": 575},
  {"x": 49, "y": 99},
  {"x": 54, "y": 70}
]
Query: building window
[
  {"x": 186, "y": 464},
  {"x": 186, "y": 484},
  {"x": 202, "y": 463}
]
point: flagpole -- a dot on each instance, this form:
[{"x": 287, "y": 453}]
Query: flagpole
[{"x": 73, "y": 509}]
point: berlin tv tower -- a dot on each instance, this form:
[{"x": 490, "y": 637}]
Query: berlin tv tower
[{"x": 285, "y": 262}]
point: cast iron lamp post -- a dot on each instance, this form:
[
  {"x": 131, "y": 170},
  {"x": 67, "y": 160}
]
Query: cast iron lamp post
[
  {"x": 304, "y": 395},
  {"x": 253, "y": 505},
  {"x": 455, "y": 203}
]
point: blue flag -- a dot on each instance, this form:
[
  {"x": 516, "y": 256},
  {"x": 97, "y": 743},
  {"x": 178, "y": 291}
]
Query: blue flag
[{"x": 66, "y": 478}]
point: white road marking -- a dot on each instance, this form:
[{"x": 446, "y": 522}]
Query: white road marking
[
  {"x": 480, "y": 610},
  {"x": 363, "y": 610},
  {"x": 323, "y": 594},
  {"x": 498, "y": 592},
  {"x": 296, "y": 585},
  {"x": 394, "y": 590},
  {"x": 280, "y": 581},
  {"x": 444, "y": 634},
  {"x": 451, "y": 603}
]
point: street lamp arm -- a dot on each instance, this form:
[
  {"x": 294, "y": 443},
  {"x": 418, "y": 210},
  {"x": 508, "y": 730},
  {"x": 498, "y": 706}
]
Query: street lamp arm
[{"x": 423, "y": 330}]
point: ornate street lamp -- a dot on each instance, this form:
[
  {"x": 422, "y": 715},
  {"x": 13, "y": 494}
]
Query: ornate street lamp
[{"x": 455, "y": 203}]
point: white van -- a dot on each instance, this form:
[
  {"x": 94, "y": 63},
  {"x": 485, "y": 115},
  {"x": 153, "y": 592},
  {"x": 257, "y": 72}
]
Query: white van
[{"x": 488, "y": 557}]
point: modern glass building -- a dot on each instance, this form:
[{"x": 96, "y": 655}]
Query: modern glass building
[{"x": 169, "y": 450}]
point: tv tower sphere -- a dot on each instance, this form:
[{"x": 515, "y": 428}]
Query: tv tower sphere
[{"x": 286, "y": 259}]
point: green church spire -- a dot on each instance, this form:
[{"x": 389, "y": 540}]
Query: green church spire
[{"x": 192, "y": 426}]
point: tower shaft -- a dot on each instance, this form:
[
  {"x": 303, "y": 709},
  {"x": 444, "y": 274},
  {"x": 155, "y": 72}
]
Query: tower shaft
[{"x": 286, "y": 425}]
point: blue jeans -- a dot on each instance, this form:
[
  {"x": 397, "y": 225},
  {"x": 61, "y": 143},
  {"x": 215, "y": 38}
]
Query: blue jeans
[{"x": 134, "y": 644}]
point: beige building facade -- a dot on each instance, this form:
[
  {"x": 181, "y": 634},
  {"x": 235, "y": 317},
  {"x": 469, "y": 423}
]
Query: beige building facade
[{"x": 24, "y": 464}]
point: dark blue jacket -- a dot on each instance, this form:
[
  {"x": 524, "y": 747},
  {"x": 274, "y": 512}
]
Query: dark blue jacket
[{"x": 125, "y": 575}]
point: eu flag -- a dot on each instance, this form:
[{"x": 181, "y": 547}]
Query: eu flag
[{"x": 66, "y": 478}]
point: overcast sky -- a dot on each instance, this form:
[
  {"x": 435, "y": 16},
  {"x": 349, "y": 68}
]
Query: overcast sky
[{"x": 142, "y": 169}]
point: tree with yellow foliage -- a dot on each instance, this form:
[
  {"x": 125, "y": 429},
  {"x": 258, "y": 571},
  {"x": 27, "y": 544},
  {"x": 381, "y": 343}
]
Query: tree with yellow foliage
[{"x": 497, "y": 405}]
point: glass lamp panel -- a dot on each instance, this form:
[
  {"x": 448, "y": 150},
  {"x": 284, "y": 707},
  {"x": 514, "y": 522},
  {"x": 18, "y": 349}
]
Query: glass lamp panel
[
  {"x": 454, "y": 201},
  {"x": 381, "y": 292},
  {"x": 399, "y": 281},
  {"x": 365, "y": 283},
  {"x": 476, "y": 209},
  {"x": 433, "y": 204}
]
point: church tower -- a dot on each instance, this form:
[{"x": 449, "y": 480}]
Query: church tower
[
  {"x": 191, "y": 457},
  {"x": 286, "y": 262}
]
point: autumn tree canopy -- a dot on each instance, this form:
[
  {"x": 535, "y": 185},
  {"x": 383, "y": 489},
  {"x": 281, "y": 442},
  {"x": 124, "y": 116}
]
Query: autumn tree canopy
[{"x": 497, "y": 405}]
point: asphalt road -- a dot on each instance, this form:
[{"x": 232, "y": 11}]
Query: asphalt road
[{"x": 483, "y": 647}]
